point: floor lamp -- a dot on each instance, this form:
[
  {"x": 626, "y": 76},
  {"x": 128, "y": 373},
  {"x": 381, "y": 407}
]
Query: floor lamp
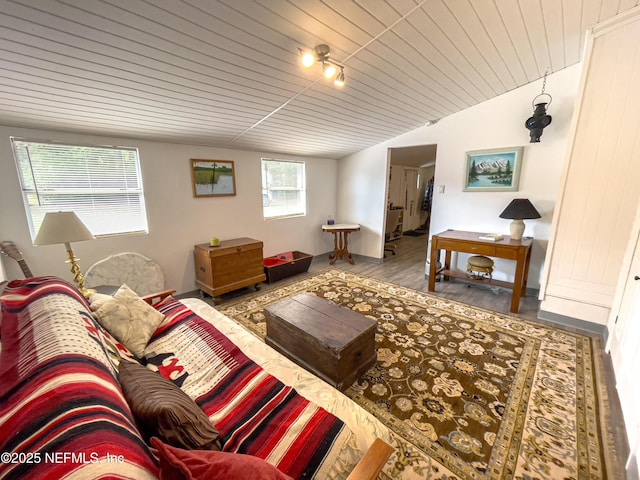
[{"x": 65, "y": 227}]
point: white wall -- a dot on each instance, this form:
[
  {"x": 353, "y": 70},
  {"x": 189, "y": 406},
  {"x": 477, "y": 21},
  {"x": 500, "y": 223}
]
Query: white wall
[
  {"x": 362, "y": 199},
  {"x": 177, "y": 221},
  {"x": 498, "y": 122}
]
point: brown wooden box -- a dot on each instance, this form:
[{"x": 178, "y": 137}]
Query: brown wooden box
[
  {"x": 276, "y": 269},
  {"x": 332, "y": 342},
  {"x": 235, "y": 264}
]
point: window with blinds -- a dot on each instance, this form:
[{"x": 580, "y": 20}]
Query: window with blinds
[{"x": 102, "y": 185}]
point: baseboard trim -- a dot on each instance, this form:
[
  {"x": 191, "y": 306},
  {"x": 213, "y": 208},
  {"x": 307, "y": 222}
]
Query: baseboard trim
[
  {"x": 355, "y": 256},
  {"x": 365, "y": 258},
  {"x": 189, "y": 294},
  {"x": 575, "y": 323}
]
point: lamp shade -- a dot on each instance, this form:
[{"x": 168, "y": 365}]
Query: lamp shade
[
  {"x": 521, "y": 209},
  {"x": 62, "y": 227}
]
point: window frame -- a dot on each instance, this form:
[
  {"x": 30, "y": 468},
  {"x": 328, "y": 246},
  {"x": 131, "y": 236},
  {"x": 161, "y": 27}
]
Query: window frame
[
  {"x": 302, "y": 188},
  {"x": 141, "y": 220}
]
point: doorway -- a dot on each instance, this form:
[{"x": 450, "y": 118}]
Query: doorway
[{"x": 410, "y": 186}]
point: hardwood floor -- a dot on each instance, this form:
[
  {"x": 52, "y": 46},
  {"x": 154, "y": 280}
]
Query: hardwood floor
[{"x": 407, "y": 268}]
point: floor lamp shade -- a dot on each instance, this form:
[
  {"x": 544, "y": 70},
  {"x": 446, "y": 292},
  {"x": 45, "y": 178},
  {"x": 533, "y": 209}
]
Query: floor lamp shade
[
  {"x": 65, "y": 227},
  {"x": 62, "y": 227},
  {"x": 518, "y": 210}
]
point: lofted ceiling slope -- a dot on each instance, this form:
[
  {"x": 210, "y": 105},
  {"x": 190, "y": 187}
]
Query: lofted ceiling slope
[{"x": 226, "y": 72}]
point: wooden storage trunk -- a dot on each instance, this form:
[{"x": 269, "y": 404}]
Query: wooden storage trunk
[
  {"x": 332, "y": 342},
  {"x": 286, "y": 265},
  {"x": 235, "y": 264}
]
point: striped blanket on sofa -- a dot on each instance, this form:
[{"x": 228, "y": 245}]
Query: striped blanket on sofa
[
  {"x": 63, "y": 414},
  {"x": 254, "y": 412}
]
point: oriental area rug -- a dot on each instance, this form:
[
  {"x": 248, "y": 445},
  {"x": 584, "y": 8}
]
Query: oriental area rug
[{"x": 468, "y": 393}]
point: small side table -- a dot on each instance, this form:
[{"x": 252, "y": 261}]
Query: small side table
[{"x": 341, "y": 233}]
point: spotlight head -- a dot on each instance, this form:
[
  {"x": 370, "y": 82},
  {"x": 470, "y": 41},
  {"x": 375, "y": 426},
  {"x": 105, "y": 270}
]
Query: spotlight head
[
  {"x": 307, "y": 58},
  {"x": 328, "y": 69},
  {"x": 339, "y": 81}
]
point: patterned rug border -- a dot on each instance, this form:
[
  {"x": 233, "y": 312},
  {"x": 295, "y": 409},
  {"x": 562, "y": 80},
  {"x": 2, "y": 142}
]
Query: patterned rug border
[{"x": 607, "y": 452}]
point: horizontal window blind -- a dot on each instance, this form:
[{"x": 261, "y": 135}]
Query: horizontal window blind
[{"x": 102, "y": 185}]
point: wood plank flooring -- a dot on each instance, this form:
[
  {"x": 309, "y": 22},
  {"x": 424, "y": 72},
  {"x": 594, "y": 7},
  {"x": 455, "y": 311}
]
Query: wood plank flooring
[{"x": 407, "y": 268}]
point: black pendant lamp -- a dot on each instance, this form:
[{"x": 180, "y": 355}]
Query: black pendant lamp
[{"x": 540, "y": 119}]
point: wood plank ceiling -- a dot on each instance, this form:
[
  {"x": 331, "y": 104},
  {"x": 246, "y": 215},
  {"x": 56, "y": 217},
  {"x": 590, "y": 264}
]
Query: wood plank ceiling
[{"x": 227, "y": 72}]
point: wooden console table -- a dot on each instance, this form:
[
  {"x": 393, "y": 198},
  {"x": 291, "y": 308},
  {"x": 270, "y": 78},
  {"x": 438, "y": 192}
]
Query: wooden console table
[
  {"x": 468, "y": 242},
  {"x": 341, "y": 240}
]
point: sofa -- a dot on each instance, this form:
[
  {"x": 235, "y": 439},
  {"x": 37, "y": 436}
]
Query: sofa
[{"x": 175, "y": 390}]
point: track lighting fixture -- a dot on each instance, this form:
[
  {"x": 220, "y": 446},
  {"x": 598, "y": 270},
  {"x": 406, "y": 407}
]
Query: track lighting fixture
[{"x": 320, "y": 54}]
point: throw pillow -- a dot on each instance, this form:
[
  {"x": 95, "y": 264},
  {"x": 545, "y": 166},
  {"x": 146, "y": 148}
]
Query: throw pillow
[
  {"x": 128, "y": 318},
  {"x": 178, "y": 464},
  {"x": 96, "y": 300},
  {"x": 163, "y": 410}
]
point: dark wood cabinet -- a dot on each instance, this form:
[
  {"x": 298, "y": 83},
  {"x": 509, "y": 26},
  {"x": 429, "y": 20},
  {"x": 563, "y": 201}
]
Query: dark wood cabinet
[{"x": 234, "y": 264}]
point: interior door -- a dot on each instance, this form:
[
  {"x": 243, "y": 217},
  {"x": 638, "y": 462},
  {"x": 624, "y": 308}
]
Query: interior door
[
  {"x": 411, "y": 188},
  {"x": 625, "y": 355}
]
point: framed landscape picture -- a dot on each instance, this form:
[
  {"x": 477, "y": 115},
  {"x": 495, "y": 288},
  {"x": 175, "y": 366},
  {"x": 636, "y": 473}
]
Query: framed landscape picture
[
  {"x": 213, "y": 178},
  {"x": 495, "y": 170}
]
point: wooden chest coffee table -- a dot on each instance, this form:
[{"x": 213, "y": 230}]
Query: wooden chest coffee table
[{"x": 332, "y": 342}]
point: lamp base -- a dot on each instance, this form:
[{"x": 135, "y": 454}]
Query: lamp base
[
  {"x": 87, "y": 292},
  {"x": 77, "y": 275},
  {"x": 516, "y": 229}
]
